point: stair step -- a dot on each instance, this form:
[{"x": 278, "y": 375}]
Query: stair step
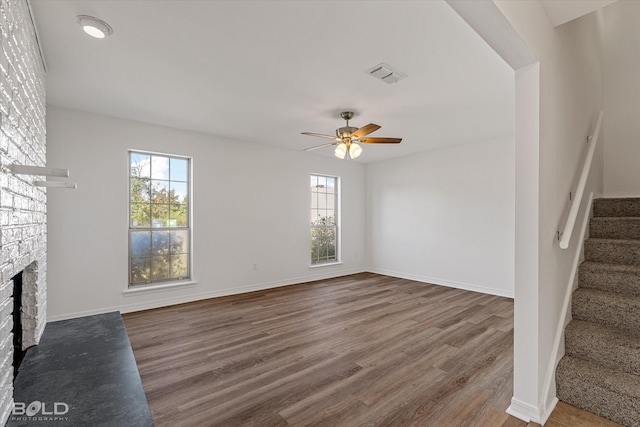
[
  {"x": 609, "y": 347},
  {"x": 612, "y": 251},
  {"x": 622, "y": 279},
  {"x": 600, "y": 371},
  {"x": 611, "y": 309},
  {"x": 616, "y": 207},
  {"x": 615, "y": 227},
  {"x": 609, "y": 393}
]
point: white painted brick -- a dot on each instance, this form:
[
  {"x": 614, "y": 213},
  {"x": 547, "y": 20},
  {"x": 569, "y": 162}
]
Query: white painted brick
[
  {"x": 22, "y": 206},
  {"x": 9, "y": 253},
  {"x": 6, "y": 404},
  {"x": 6, "y": 364},
  {"x": 6, "y": 379},
  {"x": 6, "y": 337},
  {"x": 6, "y": 308},
  {"x": 6, "y": 290},
  {"x": 29, "y": 302},
  {"x": 6, "y": 273},
  {"x": 25, "y": 247},
  {"x": 6, "y": 199}
]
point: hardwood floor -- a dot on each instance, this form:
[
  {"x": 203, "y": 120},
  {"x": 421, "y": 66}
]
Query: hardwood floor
[
  {"x": 353, "y": 351},
  {"x": 565, "y": 415}
]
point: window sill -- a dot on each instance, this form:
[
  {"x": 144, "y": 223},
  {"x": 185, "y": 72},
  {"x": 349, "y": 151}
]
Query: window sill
[
  {"x": 148, "y": 289},
  {"x": 326, "y": 264}
]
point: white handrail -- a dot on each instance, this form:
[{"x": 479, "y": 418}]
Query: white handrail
[{"x": 577, "y": 200}]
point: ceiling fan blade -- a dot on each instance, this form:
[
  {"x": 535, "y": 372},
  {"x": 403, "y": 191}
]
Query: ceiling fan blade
[
  {"x": 319, "y": 135},
  {"x": 320, "y": 146},
  {"x": 380, "y": 140},
  {"x": 366, "y": 130}
]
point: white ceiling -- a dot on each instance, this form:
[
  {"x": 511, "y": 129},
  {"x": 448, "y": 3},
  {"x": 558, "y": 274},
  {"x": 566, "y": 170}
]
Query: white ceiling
[{"x": 264, "y": 71}]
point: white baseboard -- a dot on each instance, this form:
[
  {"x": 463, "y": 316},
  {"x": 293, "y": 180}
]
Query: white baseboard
[
  {"x": 620, "y": 194},
  {"x": 529, "y": 413},
  {"x": 156, "y": 303},
  {"x": 164, "y": 302},
  {"x": 523, "y": 411},
  {"x": 547, "y": 410},
  {"x": 442, "y": 282}
]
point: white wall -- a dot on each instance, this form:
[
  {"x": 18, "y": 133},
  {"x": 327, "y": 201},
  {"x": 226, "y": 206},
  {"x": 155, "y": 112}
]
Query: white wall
[
  {"x": 570, "y": 97},
  {"x": 622, "y": 99},
  {"x": 250, "y": 205},
  {"x": 445, "y": 217}
]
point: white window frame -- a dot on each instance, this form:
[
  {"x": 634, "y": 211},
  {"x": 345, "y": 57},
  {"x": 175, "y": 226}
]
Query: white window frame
[
  {"x": 161, "y": 283},
  {"x": 336, "y": 226}
]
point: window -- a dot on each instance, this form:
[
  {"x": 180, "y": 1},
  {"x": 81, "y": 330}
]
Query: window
[
  {"x": 324, "y": 219},
  {"x": 159, "y": 216}
]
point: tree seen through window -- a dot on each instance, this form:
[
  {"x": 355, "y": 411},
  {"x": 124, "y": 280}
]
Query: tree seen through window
[
  {"x": 159, "y": 233},
  {"x": 323, "y": 218}
]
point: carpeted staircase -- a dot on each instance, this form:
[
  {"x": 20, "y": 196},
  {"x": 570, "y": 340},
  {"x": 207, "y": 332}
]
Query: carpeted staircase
[{"x": 600, "y": 371}]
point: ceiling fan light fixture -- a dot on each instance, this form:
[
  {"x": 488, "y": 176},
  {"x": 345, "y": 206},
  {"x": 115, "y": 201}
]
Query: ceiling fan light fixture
[
  {"x": 94, "y": 27},
  {"x": 355, "y": 150},
  {"x": 348, "y": 138}
]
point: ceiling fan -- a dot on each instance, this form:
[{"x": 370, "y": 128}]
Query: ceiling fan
[{"x": 348, "y": 138}]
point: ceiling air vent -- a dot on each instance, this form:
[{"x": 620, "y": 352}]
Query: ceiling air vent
[{"x": 385, "y": 73}]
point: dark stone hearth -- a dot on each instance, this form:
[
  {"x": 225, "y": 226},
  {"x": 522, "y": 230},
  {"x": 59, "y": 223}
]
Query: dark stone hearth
[{"x": 86, "y": 363}]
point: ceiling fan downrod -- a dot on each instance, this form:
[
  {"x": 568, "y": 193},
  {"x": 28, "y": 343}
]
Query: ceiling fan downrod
[{"x": 345, "y": 132}]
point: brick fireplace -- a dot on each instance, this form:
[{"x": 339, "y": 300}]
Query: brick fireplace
[{"x": 23, "y": 222}]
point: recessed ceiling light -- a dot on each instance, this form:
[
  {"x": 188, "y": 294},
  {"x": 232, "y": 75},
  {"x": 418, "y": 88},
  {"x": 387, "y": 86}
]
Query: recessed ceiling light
[{"x": 94, "y": 27}]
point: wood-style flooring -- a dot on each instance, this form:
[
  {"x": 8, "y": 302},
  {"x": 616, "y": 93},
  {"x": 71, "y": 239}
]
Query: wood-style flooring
[
  {"x": 359, "y": 350},
  {"x": 565, "y": 415}
]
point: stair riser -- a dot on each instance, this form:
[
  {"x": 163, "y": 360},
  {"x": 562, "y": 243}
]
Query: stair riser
[
  {"x": 622, "y": 316},
  {"x": 611, "y": 281},
  {"x": 615, "y": 228},
  {"x": 616, "y": 207},
  {"x": 621, "y": 252}
]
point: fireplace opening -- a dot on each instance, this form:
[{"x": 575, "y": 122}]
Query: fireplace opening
[{"x": 18, "y": 353}]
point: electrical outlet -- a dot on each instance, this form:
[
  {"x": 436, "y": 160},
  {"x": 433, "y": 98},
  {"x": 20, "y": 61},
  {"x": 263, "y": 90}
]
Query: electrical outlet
[{"x": 254, "y": 266}]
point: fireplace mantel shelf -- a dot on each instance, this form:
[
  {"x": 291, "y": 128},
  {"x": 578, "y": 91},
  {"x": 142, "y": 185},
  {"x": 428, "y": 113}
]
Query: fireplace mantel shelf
[{"x": 46, "y": 172}]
